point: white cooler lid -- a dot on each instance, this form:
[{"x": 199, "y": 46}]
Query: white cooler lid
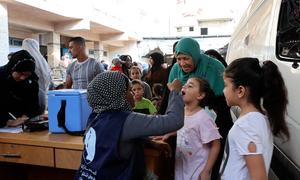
[{"x": 67, "y": 92}]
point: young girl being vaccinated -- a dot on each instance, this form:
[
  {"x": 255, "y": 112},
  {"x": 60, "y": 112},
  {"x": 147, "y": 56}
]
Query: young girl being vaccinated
[
  {"x": 260, "y": 93},
  {"x": 198, "y": 141}
]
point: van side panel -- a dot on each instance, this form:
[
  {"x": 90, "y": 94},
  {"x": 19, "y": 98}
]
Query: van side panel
[{"x": 256, "y": 37}]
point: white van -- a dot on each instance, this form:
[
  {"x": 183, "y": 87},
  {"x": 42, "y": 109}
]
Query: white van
[{"x": 270, "y": 30}]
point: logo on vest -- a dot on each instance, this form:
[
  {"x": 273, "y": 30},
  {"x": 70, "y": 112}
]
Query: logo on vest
[{"x": 90, "y": 145}]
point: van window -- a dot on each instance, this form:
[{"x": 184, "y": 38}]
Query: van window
[{"x": 288, "y": 32}]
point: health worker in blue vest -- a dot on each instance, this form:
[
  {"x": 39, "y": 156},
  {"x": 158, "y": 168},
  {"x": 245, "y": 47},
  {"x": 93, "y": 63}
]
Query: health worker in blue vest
[{"x": 114, "y": 137}]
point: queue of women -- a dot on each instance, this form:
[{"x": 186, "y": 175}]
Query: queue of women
[{"x": 208, "y": 144}]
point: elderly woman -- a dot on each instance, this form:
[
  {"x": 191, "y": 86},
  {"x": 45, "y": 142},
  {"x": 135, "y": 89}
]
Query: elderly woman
[
  {"x": 113, "y": 141},
  {"x": 19, "y": 90}
]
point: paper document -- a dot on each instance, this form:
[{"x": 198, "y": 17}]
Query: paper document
[{"x": 11, "y": 129}]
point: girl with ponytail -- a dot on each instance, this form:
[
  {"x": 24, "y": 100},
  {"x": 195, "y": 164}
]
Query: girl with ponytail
[{"x": 260, "y": 92}]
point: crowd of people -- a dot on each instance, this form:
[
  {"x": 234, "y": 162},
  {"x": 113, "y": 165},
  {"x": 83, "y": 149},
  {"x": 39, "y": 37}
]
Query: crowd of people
[{"x": 183, "y": 110}]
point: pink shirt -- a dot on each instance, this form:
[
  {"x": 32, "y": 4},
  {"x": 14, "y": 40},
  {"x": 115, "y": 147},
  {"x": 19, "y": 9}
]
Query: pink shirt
[{"x": 192, "y": 149}]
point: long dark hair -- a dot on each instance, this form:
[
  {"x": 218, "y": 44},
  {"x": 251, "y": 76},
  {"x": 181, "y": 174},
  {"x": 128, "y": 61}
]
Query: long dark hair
[
  {"x": 263, "y": 82},
  {"x": 204, "y": 87}
]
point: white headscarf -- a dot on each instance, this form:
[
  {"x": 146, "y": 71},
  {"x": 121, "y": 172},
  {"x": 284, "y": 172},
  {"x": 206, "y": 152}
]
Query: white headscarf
[{"x": 42, "y": 69}]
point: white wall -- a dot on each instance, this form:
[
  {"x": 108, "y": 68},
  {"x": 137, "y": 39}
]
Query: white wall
[
  {"x": 130, "y": 48},
  {"x": 166, "y": 46}
]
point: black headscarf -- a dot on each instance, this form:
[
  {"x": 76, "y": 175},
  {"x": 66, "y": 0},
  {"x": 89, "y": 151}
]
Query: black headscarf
[
  {"x": 158, "y": 60},
  {"x": 21, "y": 61},
  {"x": 18, "y": 97},
  {"x": 108, "y": 92}
]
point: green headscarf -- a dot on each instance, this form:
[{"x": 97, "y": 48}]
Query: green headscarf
[{"x": 205, "y": 67}]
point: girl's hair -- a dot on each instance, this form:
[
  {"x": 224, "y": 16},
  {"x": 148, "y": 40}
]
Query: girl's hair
[
  {"x": 263, "y": 82},
  {"x": 209, "y": 94},
  {"x": 136, "y": 68}
]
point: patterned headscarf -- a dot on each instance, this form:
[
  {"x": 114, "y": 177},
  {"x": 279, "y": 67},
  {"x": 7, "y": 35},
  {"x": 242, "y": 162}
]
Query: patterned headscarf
[{"x": 108, "y": 92}]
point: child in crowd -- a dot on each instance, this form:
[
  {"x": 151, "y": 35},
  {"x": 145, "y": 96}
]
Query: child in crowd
[
  {"x": 249, "y": 146},
  {"x": 198, "y": 141},
  {"x": 157, "y": 90},
  {"x": 136, "y": 73},
  {"x": 142, "y": 104}
]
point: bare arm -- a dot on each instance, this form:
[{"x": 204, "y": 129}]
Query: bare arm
[
  {"x": 212, "y": 156},
  {"x": 256, "y": 167},
  {"x": 68, "y": 83}
]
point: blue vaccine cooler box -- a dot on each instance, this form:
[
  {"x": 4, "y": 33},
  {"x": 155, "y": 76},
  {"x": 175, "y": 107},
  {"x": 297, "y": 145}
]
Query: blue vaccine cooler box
[{"x": 68, "y": 107}]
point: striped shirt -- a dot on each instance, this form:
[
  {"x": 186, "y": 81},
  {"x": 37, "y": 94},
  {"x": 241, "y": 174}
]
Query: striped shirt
[{"x": 82, "y": 73}]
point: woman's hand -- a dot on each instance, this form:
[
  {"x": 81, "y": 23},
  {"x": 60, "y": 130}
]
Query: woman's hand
[
  {"x": 17, "y": 122},
  {"x": 175, "y": 85}
]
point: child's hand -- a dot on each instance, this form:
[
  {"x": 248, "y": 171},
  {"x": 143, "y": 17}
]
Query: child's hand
[
  {"x": 160, "y": 138},
  {"x": 157, "y": 138},
  {"x": 204, "y": 175},
  {"x": 163, "y": 147},
  {"x": 175, "y": 85},
  {"x": 164, "y": 137}
]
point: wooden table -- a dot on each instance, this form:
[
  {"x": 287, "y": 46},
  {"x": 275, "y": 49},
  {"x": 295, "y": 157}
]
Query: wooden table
[
  {"x": 39, "y": 155},
  {"x": 50, "y": 153},
  {"x": 41, "y": 148}
]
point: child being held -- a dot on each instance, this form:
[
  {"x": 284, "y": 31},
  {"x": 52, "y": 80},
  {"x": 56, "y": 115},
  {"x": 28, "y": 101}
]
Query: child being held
[
  {"x": 142, "y": 104},
  {"x": 198, "y": 142},
  {"x": 136, "y": 73}
]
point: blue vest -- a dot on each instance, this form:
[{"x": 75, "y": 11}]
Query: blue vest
[{"x": 101, "y": 158}]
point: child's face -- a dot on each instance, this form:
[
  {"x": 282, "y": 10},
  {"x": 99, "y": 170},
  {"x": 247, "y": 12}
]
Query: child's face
[
  {"x": 135, "y": 74},
  {"x": 191, "y": 92},
  {"x": 138, "y": 91},
  {"x": 229, "y": 92}
]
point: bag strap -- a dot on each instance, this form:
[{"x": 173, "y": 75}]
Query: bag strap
[{"x": 61, "y": 119}]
